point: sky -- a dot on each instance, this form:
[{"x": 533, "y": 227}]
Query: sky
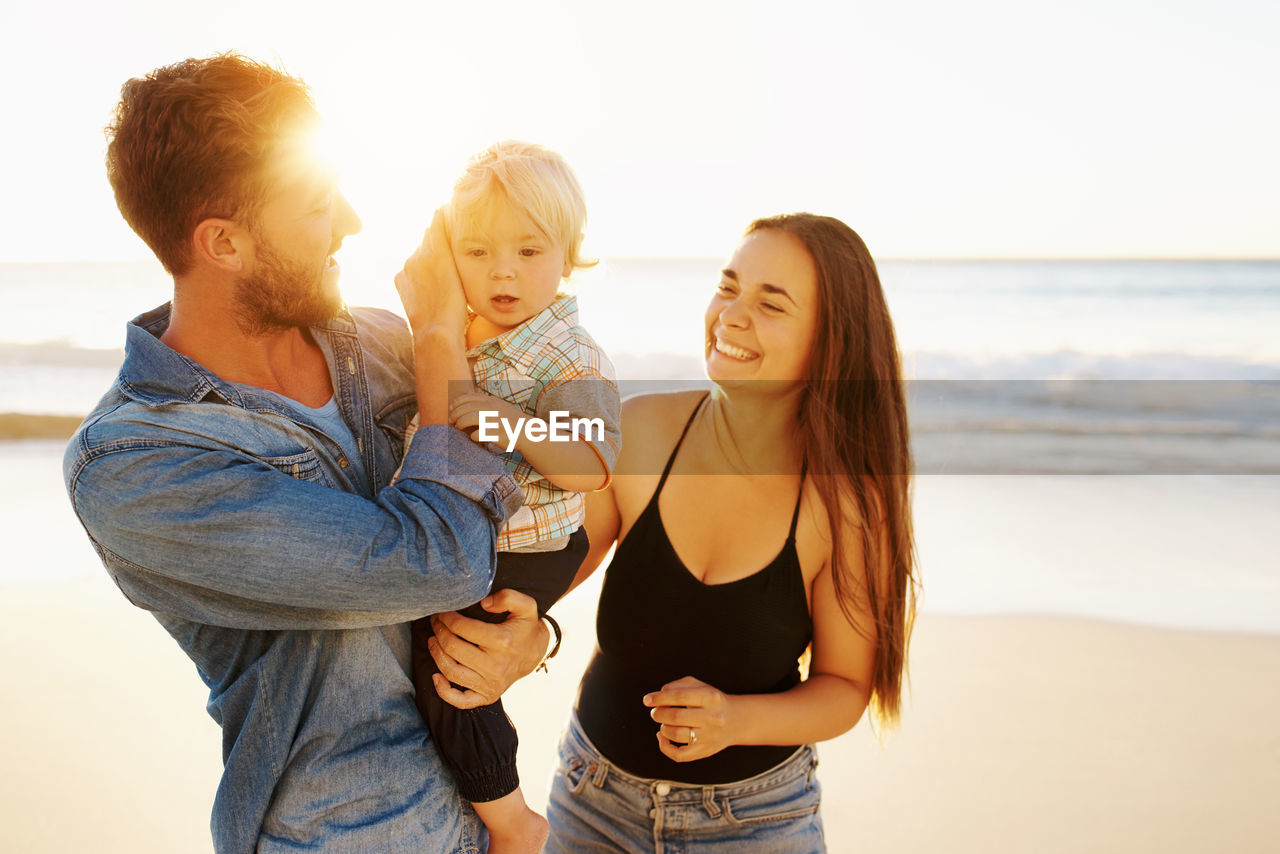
[{"x": 992, "y": 128}]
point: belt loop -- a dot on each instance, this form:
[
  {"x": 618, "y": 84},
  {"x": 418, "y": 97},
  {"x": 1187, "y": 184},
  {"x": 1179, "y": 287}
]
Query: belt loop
[
  {"x": 574, "y": 765},
  {"x": 602, "y": 773},
  {"x": 709, "y": 802}
]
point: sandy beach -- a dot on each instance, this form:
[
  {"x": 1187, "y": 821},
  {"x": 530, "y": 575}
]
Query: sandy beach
[
  {"x": 1021, "y": 732},
  {"x": 1071, "y": 211}
]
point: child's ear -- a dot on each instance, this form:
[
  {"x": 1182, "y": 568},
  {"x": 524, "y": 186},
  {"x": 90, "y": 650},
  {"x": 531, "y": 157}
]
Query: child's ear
[{"x": 568, "y": 269}]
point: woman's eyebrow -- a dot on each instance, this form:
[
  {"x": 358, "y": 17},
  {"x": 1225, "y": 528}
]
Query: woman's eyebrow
[
  {"x": 774, "y": 289},
  {"x": 766, "y": 287}
]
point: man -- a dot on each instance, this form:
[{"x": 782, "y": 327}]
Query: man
[{"x": 236, "y": 478}]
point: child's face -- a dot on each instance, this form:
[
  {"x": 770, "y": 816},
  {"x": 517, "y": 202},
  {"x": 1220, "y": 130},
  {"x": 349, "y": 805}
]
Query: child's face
[{"x": 510, "y": 270}]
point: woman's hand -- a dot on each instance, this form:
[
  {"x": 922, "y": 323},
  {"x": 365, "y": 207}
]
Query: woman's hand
[
  {"x": 696, "y": 719},
  {"x": 429, "y": 286},
  {"x": 486, "y": 658}
]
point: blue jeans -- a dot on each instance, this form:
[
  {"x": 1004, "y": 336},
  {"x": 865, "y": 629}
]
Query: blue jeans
[{"x": 596, "y": 807}]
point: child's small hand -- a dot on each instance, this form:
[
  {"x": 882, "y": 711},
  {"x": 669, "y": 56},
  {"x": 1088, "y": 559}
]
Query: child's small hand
[{"x": 466, "y": 409}]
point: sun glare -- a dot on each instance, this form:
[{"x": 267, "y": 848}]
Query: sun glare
[{"x": 317, "y": 149}]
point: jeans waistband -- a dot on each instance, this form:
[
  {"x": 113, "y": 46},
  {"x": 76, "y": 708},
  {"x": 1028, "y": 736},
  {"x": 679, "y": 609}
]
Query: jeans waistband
[{"x": 800, "y": 763}]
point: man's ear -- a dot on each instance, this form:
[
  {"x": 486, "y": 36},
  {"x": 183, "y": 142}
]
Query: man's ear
[{"x": 223, "y": 244}]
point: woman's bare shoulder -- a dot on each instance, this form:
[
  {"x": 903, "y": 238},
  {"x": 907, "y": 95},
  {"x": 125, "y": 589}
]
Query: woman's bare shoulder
[
  {"x": 849, "y": 516},
  {"x": 651, "y": 423},
  {"x": 657, "y": 409}
]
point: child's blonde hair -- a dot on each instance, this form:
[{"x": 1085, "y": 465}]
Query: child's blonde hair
[{"x": 537, "y": 181}]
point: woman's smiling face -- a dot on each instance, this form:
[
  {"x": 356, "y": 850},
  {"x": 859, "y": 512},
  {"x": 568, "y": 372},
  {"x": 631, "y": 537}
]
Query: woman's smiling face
[{"x": 761, "y": 321}]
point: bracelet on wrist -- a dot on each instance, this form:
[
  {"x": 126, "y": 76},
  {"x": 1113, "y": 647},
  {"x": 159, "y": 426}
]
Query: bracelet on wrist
[{"x": 555, "y": 628}]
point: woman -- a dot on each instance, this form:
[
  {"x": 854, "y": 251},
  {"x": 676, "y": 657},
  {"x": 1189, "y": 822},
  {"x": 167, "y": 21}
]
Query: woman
[{"x": 756, "y": 522}]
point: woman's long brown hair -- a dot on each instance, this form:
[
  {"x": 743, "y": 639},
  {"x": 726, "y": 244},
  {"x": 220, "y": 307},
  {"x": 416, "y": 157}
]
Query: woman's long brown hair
[{"x": 853, "y": 429}]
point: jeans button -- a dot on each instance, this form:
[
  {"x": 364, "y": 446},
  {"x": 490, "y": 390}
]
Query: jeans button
[{"x": 663, "y": 789}]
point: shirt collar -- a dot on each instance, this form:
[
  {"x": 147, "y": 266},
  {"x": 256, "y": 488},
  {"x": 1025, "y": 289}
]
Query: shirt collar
[
  {"x": 155, "y": 375},
  {"x": 561, "y": 314}
]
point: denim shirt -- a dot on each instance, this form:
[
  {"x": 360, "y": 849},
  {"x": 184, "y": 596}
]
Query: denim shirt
[{"x": 233, "y": 519}]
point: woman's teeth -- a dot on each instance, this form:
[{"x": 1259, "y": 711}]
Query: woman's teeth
[{"x": 735, "y": 352}]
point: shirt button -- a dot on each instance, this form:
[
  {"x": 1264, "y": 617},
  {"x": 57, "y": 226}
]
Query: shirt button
[
  {"x": 342, "y": 462},
  {"x": 663, "y": 789},
  {"x": 351, "y": 365}
]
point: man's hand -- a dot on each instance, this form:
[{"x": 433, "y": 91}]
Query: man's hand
[
  {"x": 429, "y": 286},
  {"x": 433, "y": 301},
  {"x": 486, "y": 658}
]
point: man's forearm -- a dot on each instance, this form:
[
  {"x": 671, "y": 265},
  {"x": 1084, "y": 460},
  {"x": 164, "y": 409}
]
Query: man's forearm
[
  {"x": 234, "y": 542},
  {"x": 440, "y": 363}
]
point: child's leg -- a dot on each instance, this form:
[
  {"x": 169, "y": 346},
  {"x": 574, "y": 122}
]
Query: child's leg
[
  {"x": 543, "y": 575},
  {"x": 513, "y": 827},
  {"x": 479, "y": 745}
]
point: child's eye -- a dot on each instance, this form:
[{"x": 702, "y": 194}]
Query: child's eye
[
  {"x": 474, "y": 253},
  {"x": 528, "y": 252}
]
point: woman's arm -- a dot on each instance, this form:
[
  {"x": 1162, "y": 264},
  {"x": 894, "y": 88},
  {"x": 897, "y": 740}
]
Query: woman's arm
[
  {"x": 602, "y": 526},
  {"x": 650, "y": 424},
  {"x": 827, "y": 704}
]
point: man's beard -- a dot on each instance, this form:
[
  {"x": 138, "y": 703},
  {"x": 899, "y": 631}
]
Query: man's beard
[{"x": 282, "y": 294}]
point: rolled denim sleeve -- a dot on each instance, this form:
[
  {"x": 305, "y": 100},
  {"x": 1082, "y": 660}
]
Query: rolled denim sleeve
[{"x": 219, "y": 537}]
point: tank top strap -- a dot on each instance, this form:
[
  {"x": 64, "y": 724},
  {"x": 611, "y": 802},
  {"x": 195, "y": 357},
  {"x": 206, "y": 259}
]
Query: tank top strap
[
  {"x": 795, "y": 514},
  {"x": 671, "y": 459}
]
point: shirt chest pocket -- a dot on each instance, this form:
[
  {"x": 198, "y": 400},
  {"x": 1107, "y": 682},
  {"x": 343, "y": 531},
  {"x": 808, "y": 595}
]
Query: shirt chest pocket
[
  {"x": 522, "y": 391},
  {"x": 304, "y": 465},
  {"x": 393, "y": 419}
]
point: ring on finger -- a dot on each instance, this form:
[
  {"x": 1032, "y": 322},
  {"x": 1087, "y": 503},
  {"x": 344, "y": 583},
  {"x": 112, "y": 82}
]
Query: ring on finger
[{"x": 693, "y": 735}]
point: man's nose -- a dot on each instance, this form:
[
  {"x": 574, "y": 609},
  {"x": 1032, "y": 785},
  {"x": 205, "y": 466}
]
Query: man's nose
[{"x": 346, "y": 221}]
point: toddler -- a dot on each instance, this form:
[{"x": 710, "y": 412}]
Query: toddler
[{"x": 546, "y": 396}]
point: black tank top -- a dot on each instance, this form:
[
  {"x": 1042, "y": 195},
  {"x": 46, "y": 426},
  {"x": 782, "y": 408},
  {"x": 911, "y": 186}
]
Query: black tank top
[{"x": 657, "y": 623}]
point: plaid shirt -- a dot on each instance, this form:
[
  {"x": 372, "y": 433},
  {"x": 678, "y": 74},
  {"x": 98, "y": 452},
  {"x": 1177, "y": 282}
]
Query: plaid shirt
[{"x": 546, "y": 359}]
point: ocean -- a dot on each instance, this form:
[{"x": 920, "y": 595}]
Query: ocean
[
  {"x": 1015, "y": 367},
  {"x": 1082, "y": 386}
]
